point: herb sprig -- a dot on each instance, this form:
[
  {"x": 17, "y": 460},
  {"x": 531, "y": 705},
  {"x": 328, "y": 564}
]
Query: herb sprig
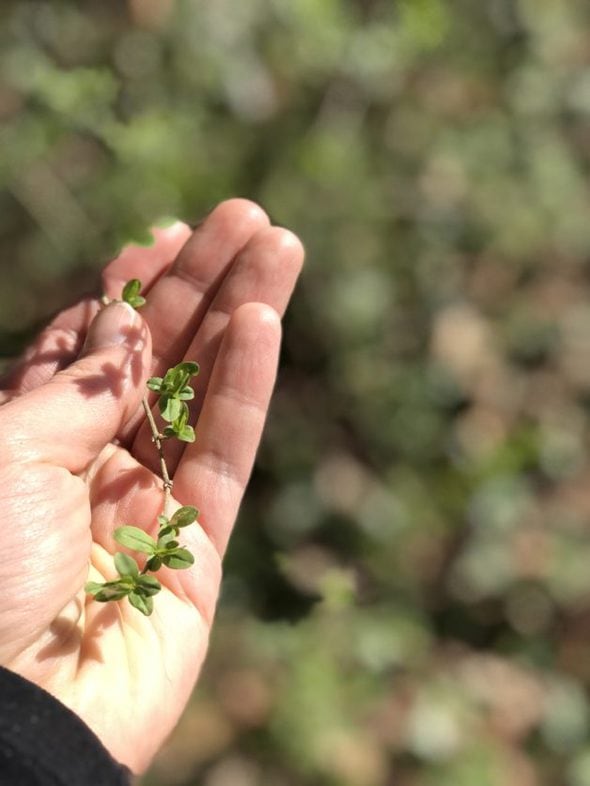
[{"x": 173, "y": 391}]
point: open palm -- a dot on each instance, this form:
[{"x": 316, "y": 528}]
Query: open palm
[{"x": 77, "y": 461}]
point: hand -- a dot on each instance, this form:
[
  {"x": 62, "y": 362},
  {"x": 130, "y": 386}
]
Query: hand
[{"x": 76, "y": 461}]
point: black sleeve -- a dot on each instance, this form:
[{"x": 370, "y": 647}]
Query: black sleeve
[{"x": 43, "y": 743}]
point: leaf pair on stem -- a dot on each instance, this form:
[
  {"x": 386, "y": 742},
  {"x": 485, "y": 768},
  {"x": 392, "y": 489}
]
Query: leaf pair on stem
[
  {"x": 131, "y": 294},
  {"x": 136, "y": 585},
  {"x": 165, "y": 550},
  {"x": 174, "y": 392}
]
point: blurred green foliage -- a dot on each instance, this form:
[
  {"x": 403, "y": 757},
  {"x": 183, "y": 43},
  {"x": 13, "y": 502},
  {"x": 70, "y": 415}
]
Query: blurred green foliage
[{"x": 407, "y": 597}]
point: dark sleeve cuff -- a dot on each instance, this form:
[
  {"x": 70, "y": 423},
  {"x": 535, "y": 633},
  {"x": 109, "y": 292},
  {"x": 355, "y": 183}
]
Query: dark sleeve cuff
[{"x": 43, "y": 743}]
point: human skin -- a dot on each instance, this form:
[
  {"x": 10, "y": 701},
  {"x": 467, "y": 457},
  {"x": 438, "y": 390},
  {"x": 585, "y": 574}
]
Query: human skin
[{"x": 77, "y": 461}]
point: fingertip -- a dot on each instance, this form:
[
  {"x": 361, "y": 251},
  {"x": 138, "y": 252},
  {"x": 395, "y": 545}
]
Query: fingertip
[
  {"x": 242, "y": 210},
  {"x": 280, "y": 246},
  {"x": 175, "y": 230},
  {"x": 251, "y": 314},
  {"x": 291, "y": 243},
  {"x": 268, "y": 316},
  {"x": 254, "y": 331}
]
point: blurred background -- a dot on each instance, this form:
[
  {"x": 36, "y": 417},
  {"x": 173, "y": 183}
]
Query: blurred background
[{"x": 407, "y": 597}]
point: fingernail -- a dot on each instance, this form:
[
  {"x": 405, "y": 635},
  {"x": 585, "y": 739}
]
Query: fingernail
[{"x": 115, "y": 325}]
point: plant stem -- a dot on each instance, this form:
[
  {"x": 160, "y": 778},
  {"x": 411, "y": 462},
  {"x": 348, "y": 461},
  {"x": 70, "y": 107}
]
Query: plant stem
[{"x": 157, "y": 440}]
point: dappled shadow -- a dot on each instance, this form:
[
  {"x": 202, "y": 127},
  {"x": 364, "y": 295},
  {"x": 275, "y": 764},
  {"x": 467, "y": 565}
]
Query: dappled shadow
[
  {"x": 113, "y": 379},
  {"x": 66, "y": 635},
  {"x": 54, "y": 346},
  {"x": 60, "y": 356},
  {"x": 102, "y": 620}
]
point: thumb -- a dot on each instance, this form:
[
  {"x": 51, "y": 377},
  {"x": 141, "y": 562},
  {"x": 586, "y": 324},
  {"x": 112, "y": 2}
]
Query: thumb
[{"x": 71, "y": 418}]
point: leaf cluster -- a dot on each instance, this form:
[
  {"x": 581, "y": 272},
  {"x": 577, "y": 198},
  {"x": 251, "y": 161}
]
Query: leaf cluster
[
  {"x": 174, "y": 391},
  {"x": 131, "y": 294},
  {"x": 165, "y": 550},
  {"x": 132, "y": 584}
]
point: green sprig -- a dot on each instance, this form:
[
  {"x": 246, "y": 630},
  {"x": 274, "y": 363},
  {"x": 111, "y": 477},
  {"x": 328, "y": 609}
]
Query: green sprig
[
  {"x": 131, "y": 294},
  {"x": 173, "y": 391}
]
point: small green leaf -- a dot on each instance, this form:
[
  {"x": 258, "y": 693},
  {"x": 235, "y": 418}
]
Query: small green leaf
[
  {"x": 112, "y": 591},
  {"x": 167, "y": 537},
  {"x": 189, "y": 367},
  {"x": 170, "y": 408},
  {"x": 155, "y": 384},
  {"x": 163, "y": 521},
  {"x": 186, "y": 394},
  {"x": 179, "y": 559},
  {"x": 126, "y": 565},
  {"x": 154, "y": 563},
  {"x": 141, "y": 602},
  {"x": 131, "y": 294},
  {"x": 136, "y": 539},
  {"x": 132, "y": 288},
  {"x": 92, "y": 587},
  {"x": 181, "y": 420},
  {"x": 187, "y": 434},
  {"x": 184, "y": 516},
  {"x": 176, "y": 379},
  {"x": 173, "y": 381},
  {"x": 149, "y": 585}
]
